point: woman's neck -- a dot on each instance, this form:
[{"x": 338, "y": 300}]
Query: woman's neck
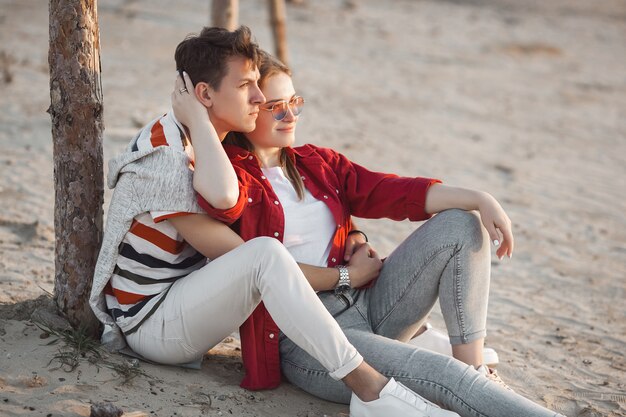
[{"x": 268, "y": 157}]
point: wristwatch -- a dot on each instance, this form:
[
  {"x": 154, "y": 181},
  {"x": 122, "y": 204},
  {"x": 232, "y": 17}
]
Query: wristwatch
[{"x": 344, "y": 280}]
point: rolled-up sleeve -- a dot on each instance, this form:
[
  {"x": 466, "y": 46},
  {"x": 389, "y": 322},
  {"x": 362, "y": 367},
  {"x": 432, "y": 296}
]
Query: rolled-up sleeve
[
  {"x": 416, "y": 198},
  {"x": 230, "y": 215}
]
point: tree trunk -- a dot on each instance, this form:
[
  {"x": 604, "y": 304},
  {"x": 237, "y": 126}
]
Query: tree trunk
[
  {"x": 278, "y": 16},
  {"x": 225, "y": 14},
  {"x": 76, "y": 112}
]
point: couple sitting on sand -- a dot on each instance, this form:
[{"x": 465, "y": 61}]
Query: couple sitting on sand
[{"x": 218, "y": 223}]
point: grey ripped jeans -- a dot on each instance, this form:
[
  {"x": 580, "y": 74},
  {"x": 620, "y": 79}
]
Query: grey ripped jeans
[{"x": 447, "y": 257}]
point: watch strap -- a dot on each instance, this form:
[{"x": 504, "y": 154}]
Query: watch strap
[{"x": 344, "y": 279}]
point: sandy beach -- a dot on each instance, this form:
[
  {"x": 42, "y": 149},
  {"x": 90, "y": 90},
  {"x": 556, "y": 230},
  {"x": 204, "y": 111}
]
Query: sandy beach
[{"x": 526, "y": 100}]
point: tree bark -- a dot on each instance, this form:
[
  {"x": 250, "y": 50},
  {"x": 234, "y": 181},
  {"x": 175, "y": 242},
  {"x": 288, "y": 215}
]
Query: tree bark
[
  {"x": 76, "y": 112},
  {"x": 225, "y": 14},
  {"x": 278, "y": 17}
]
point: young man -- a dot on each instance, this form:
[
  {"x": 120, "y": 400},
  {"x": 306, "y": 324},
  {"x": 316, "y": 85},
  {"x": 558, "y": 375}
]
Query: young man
[{"x": 153, "y": 287}]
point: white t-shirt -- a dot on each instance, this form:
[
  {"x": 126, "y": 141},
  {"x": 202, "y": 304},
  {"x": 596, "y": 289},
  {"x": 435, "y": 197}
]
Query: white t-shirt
[{"x": 309, "y": 224}]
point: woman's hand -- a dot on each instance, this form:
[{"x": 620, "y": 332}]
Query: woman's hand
[
  {"x": 497, "y": 223},
  {"x": 364, "y": 266},
  {"x": 353, "y": 242},
  {"x": 187, "y": 108},
  {"x": 442, "y": 197}
]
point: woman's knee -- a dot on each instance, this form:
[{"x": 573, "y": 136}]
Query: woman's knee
[
  {"x": 459, "y": 218},
  {"x": 466, "y": 226}
]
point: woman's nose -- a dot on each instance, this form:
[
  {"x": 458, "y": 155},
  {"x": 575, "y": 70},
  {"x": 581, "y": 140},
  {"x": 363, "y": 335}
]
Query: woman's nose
[{"x": 289, "y": 117}]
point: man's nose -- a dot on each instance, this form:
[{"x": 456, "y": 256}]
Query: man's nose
[{"x": 257, "y": 96}]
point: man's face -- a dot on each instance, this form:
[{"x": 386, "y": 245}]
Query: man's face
[{"x": 235, "y": 106}]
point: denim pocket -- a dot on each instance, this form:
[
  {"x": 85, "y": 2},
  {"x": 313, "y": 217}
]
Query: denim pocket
[
  {"x": 334, "y": 303},
  {"x": 286, "y": 347}
]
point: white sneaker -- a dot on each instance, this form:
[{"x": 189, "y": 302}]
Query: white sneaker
[
  {"x": 436, "y": 341},
  {"x": 396, "y": 400}
]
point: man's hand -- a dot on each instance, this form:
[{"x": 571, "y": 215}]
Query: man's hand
[
  {"x": 187, "y": 108},
  {"x": 442, "y": 197}
]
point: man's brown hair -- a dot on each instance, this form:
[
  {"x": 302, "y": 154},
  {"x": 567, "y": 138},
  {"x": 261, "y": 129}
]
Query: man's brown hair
[{"x": 204, "y": 57}]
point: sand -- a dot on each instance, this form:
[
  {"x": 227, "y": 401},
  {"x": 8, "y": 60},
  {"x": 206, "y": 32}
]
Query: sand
[{"x": 526, "y": 100}]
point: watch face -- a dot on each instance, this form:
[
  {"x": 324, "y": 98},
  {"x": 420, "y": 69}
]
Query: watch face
[{"x": 341, "y": 288}]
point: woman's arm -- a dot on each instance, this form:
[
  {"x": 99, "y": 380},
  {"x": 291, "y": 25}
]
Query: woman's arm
[
  {"x": 214, "y": 177},
  {"x": 372, "y": 194},
  {"x": 442, "y": 197}
]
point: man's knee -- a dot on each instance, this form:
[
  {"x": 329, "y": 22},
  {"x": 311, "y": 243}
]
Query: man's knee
[
  {"x": 269, "y": 253},
  {"x": 265, "y": 244}
]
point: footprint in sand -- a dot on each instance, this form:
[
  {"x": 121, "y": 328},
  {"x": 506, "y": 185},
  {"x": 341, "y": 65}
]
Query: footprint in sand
[
  {"x": 581, "y": 405},
  {"x": 17, "y": 232},
  {"x": 531, "y": 49},
  {"x": 506, "y": 172}
]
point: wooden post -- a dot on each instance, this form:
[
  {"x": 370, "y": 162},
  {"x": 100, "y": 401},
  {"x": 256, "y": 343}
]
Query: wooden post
[
  {"x": 225, "y": 14},
  {"x": 278, "y": 17},
  {"x": 76, "y": 112}
]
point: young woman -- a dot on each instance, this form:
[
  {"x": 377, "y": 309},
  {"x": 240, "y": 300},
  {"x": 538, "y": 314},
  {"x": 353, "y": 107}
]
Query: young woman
[{"x": 305, "y": 196}]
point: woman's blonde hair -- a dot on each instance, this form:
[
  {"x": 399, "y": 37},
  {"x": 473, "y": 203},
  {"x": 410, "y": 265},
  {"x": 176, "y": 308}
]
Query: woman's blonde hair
[{"x": 268, "y": 67}]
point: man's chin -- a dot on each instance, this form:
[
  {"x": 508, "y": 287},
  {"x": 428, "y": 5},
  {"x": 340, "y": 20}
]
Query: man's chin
[{"x": 247, "y": 127}]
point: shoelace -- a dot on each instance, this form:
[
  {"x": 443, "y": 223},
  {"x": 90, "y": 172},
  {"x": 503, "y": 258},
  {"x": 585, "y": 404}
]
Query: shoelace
[{"x": 492, "y": 375}]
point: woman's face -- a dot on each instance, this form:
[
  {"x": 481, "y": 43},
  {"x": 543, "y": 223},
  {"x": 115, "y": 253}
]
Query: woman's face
[{"x": 269, "y": 132}]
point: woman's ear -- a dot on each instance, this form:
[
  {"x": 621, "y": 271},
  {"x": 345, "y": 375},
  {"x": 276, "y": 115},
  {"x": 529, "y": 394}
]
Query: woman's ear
[{"x": 204, "y": 94}]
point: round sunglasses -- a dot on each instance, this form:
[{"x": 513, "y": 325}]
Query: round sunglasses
[{"x": 280, "y": 108}]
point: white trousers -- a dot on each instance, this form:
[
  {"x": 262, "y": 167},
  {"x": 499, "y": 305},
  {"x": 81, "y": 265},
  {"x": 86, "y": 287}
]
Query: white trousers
[{"x": 206, "y": 306}]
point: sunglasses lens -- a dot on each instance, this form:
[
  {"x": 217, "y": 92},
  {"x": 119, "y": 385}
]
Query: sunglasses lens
[
  {"x": 296, "y": 105},
  {"x": 279, "y": 111}
]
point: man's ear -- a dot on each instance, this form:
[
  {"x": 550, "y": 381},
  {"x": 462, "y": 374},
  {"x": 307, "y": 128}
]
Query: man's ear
[{"x": 204, "y": 93}]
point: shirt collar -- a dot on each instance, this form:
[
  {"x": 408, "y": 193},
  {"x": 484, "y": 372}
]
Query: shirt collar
[
  {"x": 301, "y": 151},
  {"x": 235, "y": 152},
  {"x": 239, "y": 153}
]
